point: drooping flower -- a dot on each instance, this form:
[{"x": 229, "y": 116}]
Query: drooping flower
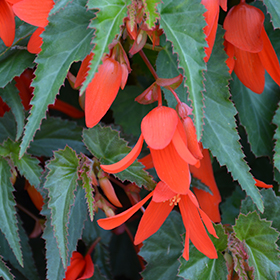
[
  {"x": 165, "y": 136},
  {"x": 80, "y": 267},
  {"x": 102, "y": 90},
  {"x": 163, "y": 201},
  {"x": 211, "y": 18},
  {"x": 31, "y": 11},
  {"x": 249, "y": 48},
  {"x": 208, "y": 202}
]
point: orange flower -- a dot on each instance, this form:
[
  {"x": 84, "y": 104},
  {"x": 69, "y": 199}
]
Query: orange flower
[
  {"x": 209, "y": 203},
  {"x": 211, "y": 18},
  {"x": 163, "y": 201},
  {"x": 34, "y": 195},
  {"x": 80, "y": 267},
  {"x": 166, "y": 138},
  {"x": 31, "y": 11},
  {"x": 249, "y": 48}
]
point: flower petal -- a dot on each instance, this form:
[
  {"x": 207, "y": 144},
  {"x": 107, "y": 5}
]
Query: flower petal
[
  {"x": 243, "y": 25},
  {"x": 269, "y": 58},
  {"x": 147, "y": 161},
  {"x": 7, "y": 23},
  {"x": 102, "y": 91},
  {"x": 208, "y": 223},
  {"x": 35, "y": 42},
  {"x": 127, "y": 160},
  {"x": 261, "y": 184},
  {"x": 208, "y": 203},
  {"x": 109, "y": 191},
  {"x": 67, "y": 109},
  {"x": 250, "y": 70},
  {"x": 198, "y": 234},
  {"x": 172, "y": 169},
  {"x": 89, "y": 268},
  {"x": 158, "y": 127},
  {"x": 223, "y": 4},
  {"x": 34, "y": 12},
  {"x": 162, "y": 192},
  {"x": 115, "y": 221},
  {"x": 76, "y": 267},
  {"x": 153, "y": 218},
  {"x": 182, "y": 149}
]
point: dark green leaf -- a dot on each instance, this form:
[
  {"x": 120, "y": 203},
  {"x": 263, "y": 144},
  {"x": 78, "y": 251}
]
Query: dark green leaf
[
  {"x": 10, "y": 95},
  {"x": 255, "y": 112},
  {"x": 107, "y": 23},
  {"x": 230, "y": 208},
  {"x": 108, "y": 147},
  {"x": 61, "y": 184},
  {"x": 276, "y": 120},
  {"x": 220, "y": 135},
  {"x": 162, "y": 250},
  {"x": 54, "y": 134},
  {"x": 13, "y": 64},
  {"x": 188, "y": 42},
  {"x": 273, "y": 7},
  {"x": 260, "y": 239},
  {"x": 29, "y": 270},
  {"x": 124, "y": 106},
  {"x": 8, "y": 221},
  {"x": 7, "y": 127},
  {"x": 66, "y": 39},
  {"x": 91, "y": 233},
  {"x": 167, "y": 67},
  {"x": 5, "y": 271}
]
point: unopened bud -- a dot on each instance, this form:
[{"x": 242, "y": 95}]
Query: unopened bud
[{"x": 183, "y": 110}]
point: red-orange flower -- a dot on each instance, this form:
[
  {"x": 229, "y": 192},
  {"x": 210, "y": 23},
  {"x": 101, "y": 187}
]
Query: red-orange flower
[
  {"x": 31, "y": 11},
  {"x": 249, "y": 48},
  {"x": 34, "y": 195},
  {"x": 80, "y": 267},
  {"x": 211, "y": 18},
  {"x": 166, "y": 138},
  {"x": 163, "y": 201},
  {"x": 208, "y": 202}
]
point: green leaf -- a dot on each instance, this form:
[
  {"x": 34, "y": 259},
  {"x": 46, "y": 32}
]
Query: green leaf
[
  {"x": 151, "y": 12},
  {"x": 29, "y": 270},
  {"x": 61, "y": 184},
  {"x": 13, "y": 64},
  {"x": 188, "y": 42},
  {"x": 162, "y": 250},
  {"x": 255, "y": 112},
  {"x": 201, "y": 267},
  {"x": 55, "y": 134},
  {"x": 124, "y": 106},
  {"x": 10, "y": 95},
  {"x": 273, "y": 7},
  {"x": 106, "y": 24},
  {"x": 66, "y": 39},
  {"x": 55, "y": 268},
  {"x": 7, "y": 127},
  {"x": 220, "y": 135},
  {"x": 271, "y": 207},
  {"x": 5, "y": 271},
  {"x": 230, "y": 208},
  {"x": 259, "y": 238},
  {"x": 8, "y": 221},
  {"x": 108, "y": 147},
  {"x": 276, "y": 120}
]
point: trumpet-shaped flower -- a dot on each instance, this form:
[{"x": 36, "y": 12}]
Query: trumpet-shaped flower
[
  {"x": 249, "y": 48},
  {"x": 163, "y": 201},
  {"x": 165, "y": 136},
  {"x": 80, "y": 267},
  {"x": 31, "y": 11},
  {"x": 211, "y": 18}
]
